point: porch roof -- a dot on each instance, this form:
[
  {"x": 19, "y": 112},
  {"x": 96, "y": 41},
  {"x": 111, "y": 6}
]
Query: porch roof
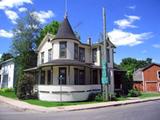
[{"x": 64, "y": 62}]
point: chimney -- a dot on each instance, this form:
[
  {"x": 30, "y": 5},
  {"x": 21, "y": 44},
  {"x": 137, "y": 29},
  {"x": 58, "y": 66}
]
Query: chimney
[{"x": 89, "y": 41}]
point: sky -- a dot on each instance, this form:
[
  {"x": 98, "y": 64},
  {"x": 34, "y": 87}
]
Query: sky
[{"x": 132, "y": 25}]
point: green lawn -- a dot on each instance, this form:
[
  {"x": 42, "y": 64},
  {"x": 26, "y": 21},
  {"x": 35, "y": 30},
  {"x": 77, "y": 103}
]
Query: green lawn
[
  {"x": 55, "y": 104},
  {"x": 44, "y": 103},
  {"x": 9, "y": 94},
  {"x": 149, "y": 94}
]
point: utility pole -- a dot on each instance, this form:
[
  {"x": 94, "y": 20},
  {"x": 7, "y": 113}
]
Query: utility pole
[{"x": 105, "y": 78}]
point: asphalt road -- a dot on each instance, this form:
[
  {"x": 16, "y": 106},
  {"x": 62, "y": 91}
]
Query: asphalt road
[{"x": 139, "y": 111}]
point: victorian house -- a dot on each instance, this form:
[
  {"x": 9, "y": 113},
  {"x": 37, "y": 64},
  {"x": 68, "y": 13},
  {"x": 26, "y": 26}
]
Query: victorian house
[{"x": 69, "y": 70}]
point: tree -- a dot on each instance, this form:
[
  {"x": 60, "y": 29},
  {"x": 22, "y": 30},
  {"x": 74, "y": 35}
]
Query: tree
[
  {"x": 130, "y": 65},
  {"x": 51, "y": 28},
  {"x": 25, "y": 35},
  {"x": 6, "y": 56}
]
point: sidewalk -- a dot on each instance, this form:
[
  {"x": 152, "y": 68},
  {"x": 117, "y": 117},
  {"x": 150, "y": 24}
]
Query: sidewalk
[{"x": 26, "y": 106}]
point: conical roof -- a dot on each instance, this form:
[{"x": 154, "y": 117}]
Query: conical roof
[{"x": 65, "y": 31}]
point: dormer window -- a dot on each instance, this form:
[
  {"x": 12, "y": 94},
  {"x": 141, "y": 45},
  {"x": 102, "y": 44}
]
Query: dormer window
[
  {"x": 158, "y": 75},
  {"x": 63, "y": 49},
  {"x": 75, "y": 51},
  {"x": 42, "y": 57}
]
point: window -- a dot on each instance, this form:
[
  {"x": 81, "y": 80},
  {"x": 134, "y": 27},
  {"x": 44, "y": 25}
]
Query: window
[
  {"x": 158, "y": 74},
  {"x": 62, "y": 76},
  {"x": 49, "y": 54},
  {"x": 42, "y": 57},
  {"x": 63, "y": 46},
  {"x": 75, "y": 51},
  {"x": 79, "y": 76},
  {"x": 42, "y": 82},
  {"x": 108, "y": 55},
  {"x": 94, "y": 55},
  {"x": 75, "y": 76},
  {"x": 82, "y": 54},
  {"x": 49, "y": 77}
]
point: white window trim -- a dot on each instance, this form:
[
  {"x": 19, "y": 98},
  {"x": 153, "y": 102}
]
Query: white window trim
[{"x": 158, "y": 72}]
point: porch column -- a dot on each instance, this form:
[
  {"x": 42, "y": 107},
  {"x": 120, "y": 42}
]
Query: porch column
[
  {"x": 39, "y": 76},
  {"x": 69, "y": 81},
  {"x": 51, "y": 75}
]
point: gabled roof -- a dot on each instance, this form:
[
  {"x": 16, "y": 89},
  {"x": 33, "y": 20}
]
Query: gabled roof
[
  {"x": 65, "y": 31},
  {"x": 9, "y": 60},
  {"x": 46, "y": 38},
  {"x": 108, "y": 43},
  {"x": 143, "y": 69}
]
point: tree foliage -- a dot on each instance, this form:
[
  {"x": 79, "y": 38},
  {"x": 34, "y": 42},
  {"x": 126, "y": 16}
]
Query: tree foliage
[
  {"x": 51, "y": 28},
  {"x": 130, "y": 65},
  {"x": 25, "y": 35},
  {"x": 6, "y": 56}
]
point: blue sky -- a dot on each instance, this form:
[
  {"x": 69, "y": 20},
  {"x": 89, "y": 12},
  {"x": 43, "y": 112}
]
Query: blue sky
[{"x": 132, "y": 25}]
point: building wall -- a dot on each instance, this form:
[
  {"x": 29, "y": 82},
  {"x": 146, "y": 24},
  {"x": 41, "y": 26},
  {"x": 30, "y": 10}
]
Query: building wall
[
  {"x": 8, "y": 69},
  {"x": 138, "y": 85},
  {"x": 151, "y": 81}
]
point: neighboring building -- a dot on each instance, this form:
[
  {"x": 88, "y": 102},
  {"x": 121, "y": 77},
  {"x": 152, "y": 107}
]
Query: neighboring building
[
  {"x": 7, "y": 74},
  {"x": 68, "y": 69},
  {"x": 147, "y": 79}
]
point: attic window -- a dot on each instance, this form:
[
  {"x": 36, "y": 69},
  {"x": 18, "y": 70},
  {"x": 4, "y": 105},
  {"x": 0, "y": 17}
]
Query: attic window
[
  {"x": 158, "y": 74},
  {"x": 49, "y": 39}
]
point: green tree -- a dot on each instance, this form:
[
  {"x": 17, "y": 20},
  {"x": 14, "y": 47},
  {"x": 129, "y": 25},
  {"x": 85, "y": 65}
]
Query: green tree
[
  {"x": 130, "y": 65},
  {"x": 6, "y": 56},
  {"x": 51, "y": 28},
  {"x": 25, "y": 35}
]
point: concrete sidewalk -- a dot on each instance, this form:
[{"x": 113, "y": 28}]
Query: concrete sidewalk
[{"x": 26, "y": 106}]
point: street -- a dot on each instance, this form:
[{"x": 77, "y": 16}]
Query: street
[{"x": 139, "y": 111}]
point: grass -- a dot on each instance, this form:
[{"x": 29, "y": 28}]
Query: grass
[
  {"x": 55, "y": 104},
  {"x": 12, "y": 95},
  {"x": 149, "y": 94},
  {"x": 9, "y": 94}
]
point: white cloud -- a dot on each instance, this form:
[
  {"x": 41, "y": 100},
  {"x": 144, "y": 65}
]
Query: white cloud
[
  {"x": 11, "y": 15},
  {"x": 22, "y": 9},
  {"x": 5, "y": 4},
  {"x": 127, "y": 22},
  {"x": 156, "y": 45},
  {"x": 6, "y": 34},
  {"x": 43, "y": 16},
  {"x": 0, "y": 55},
  {"x": 122, "y": 38},
  {"x": 132, "y": 7}
]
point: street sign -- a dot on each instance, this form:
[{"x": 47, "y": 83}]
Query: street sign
[{"x": 105, "y": 79}]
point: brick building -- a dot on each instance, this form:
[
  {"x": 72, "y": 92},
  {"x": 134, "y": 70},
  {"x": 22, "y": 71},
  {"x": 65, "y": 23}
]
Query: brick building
[{"x": 147, "y": 79}]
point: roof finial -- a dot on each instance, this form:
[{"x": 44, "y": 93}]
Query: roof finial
[{"x": 65, "y": 14}]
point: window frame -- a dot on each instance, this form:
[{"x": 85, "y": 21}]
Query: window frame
[
  {"x": 94, "y": 55},
  {"x": 63, "y": 49},
  {"x": 49, "y": 54},
  {"x": 76, "y": 57},
  {"x": 81, "y": 56},
  {"x": 42, "y": 58},
  {"x": 158, "y": 74}
]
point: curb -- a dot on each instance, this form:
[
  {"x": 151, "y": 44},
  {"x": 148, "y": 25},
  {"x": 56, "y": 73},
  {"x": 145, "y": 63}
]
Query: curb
[{"x": 26, "y": 106}]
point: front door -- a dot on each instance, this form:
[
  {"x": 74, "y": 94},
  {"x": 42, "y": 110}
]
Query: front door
[{"x": 62, "y": 75}]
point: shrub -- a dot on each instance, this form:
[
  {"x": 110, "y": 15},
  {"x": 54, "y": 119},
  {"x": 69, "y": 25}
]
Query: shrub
[
  {"x": 99, "y": 97},
  {"x": 6, "y": 90},
  {"x": 25, "y": 87},
  {"x": 134, "y": 93},
  {"x": 112, "y": 97}
]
